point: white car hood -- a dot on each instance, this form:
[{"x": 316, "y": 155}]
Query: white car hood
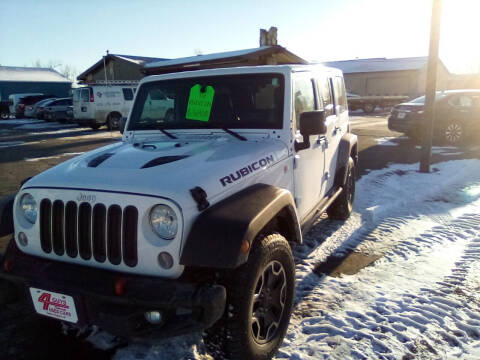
[{"x": 181, "y": 165}]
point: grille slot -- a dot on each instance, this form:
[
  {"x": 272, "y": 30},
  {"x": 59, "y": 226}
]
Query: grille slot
[
  {"x": 71, "y": 229},
  {"x": 99, "y": 232},
  {"x": 130, "y": 216},
  {"x": 85, "y": 231},
  {"x": 114, "y": 234},
  {"x": 57, "y": 227},
  {"x": 104, "y": 233},
  {"x": 46, "y": 225}
]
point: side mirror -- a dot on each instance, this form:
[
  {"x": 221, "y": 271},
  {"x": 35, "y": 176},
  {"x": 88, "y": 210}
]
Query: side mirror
[
  {"x": 121, "y": 125},
  {"x": 311, "y": 123}
]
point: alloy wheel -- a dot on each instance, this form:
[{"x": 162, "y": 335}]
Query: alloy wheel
[
  {"x": 453, "y": 133},
  {"x": 268, "y": 302}
]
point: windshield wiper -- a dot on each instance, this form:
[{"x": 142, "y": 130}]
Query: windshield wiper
[
  {"x": 234, "y": 134},
  {"x": 171, "y": 136}
]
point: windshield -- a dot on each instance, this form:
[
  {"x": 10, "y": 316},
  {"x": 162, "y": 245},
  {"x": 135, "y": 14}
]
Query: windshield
[
  {"x": 421, "y": 99},
  {"x": 239, "y": 101}
]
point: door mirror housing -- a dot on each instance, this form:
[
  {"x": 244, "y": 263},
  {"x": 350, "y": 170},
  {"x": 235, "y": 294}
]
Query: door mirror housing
[
  {"x": 121, "y": 124},
  {"x": 311, "y": 123}
]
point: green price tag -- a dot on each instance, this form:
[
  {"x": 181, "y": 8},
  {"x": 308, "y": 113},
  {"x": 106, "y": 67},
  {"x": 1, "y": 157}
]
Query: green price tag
[{"x": 200, "y": 103}]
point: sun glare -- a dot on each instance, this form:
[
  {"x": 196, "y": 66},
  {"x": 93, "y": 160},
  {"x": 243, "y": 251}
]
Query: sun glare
[{"x": 459, "y": 36}]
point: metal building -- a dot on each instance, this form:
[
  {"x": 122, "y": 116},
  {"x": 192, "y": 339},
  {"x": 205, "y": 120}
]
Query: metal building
[
  {"x": 387, "y": 77},
  {"x": 263, "y": 55},
  {"x": 19, "y": 80}
]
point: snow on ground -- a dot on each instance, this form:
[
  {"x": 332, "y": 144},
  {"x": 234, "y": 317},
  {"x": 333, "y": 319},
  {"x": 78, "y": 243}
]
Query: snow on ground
[
  {"x": 418, "y": 300},
  {"x": 386, "y": 141}
]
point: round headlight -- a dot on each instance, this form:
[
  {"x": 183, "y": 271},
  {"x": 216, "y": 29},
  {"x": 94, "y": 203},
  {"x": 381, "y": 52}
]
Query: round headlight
[
  {"x": 164, "y": 221},
  {"x": 28, "y": 205}
]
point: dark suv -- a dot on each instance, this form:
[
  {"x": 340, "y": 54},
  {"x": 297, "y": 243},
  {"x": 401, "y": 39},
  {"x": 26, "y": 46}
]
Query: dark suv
[{"x": 457, "y": 116}]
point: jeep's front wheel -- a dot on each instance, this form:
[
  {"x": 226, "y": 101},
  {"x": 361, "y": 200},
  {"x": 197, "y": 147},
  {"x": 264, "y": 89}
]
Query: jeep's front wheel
[
  {"x": 259, "y": 303},
  {"x": 342, "y": 207}
]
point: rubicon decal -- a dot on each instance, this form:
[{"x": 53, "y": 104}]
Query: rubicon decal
[{"x": 240, "y": 173}]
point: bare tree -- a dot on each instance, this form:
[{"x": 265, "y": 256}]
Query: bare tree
[{"x": 69, "y": 71}]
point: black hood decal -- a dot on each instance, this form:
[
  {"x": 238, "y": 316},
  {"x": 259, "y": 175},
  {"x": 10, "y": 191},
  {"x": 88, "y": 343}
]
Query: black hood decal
[
  {"x": 163, "y": 160},
  {"x": 99, "y": 159}
]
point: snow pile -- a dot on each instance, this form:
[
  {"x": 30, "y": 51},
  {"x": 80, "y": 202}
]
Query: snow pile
[{"x": 417, "y": 300}]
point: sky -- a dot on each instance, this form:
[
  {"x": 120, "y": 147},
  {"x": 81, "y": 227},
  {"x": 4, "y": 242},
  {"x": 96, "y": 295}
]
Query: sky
[{"x": 78, "y": 33}]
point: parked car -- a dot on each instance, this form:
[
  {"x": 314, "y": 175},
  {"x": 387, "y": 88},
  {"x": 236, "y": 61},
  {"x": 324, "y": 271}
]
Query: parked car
[
  {"x": 188, "y": 224},
  {"x": 99, "y": 105},
  {"x": 457, "y": 116},
  {"x": 369, "y": 103},
  {"x": 31, "y": 110},
  {"x": 57, "y": 110},
  {"x": 15, "y": 98},
  {"x": 41, "y": 109}
]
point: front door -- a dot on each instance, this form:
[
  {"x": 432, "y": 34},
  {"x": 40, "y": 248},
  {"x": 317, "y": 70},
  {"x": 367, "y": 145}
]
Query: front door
[{"x": 309, "y": 163}]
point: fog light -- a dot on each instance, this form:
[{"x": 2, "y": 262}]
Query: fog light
[
  {"x": 165, "y": 260},
  {"x": 22, "y": 239},
  {"x": 154, "y": 317}
]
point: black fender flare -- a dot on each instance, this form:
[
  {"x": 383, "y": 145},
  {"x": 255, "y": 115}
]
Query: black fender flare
[
  {"x": 216, "y": 237},
  {"x": 6, "y": 215},
  {"x": 348, "y": 148}
]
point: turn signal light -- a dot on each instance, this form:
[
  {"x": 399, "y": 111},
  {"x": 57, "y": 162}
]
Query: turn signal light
[
  {"x": 8, "y": 265},
  {"x": 120, "y": 286}
]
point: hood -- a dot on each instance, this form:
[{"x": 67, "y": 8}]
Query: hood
[{"x": 167, "y": 168}]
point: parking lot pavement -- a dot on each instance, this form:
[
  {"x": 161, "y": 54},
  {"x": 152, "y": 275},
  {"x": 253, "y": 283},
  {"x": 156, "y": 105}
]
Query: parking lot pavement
[{"x": 30, "y": 146}]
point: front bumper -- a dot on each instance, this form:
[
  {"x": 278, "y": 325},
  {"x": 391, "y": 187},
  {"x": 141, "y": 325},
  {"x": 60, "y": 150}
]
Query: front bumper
[{"x": 186, "y": 307}]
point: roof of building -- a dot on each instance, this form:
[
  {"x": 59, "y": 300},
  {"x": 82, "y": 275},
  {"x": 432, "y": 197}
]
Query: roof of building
[
  {"x": 31, "y": 74},
  {"x": 225, "y": 59},
  {"x": 137, "y": 60},
  {"x": 379, "y": 64}
]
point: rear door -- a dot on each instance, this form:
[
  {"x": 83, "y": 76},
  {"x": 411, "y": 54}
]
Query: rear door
[
  {"x": 309, "y": 163},
  {"x": 333, "y": 92},
  {"x": 84, "y": 109}
]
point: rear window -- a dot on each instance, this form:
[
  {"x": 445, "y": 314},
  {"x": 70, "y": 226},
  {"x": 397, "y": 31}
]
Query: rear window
[{"x": 85, "y": 95}]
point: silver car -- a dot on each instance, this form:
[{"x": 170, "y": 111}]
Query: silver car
[{"x": 31, "y": 110}]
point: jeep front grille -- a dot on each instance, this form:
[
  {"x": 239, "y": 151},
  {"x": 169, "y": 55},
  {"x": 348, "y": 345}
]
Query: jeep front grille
[{"x": 86, "y": 231}]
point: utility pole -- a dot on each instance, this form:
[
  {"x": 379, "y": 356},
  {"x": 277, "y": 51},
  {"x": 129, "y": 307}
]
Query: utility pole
[{"x": 431, "y": 86}]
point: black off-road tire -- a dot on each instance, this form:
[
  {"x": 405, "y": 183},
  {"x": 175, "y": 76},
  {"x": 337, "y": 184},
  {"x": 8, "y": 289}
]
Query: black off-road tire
[
  {"x": 369, "y": 108},
  {"x": 113, "y": 121},
  {"x": 237, "y": 335},
  {"x": 5, "y": 115},
  {"x": 342, "y": 207}
]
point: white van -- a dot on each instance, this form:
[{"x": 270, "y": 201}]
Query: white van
[
  {"x": 100, "y": 104},
  {"x": 15, "y": 98}
]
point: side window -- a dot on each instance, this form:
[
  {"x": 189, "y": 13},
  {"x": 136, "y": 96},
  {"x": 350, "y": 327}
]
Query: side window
[
  {"x": 326, "y": 93},
  {"x": 340, "y": 94},
  {"x": 127, "y": 94},
  {"x": 465, "y": 101},
  {"x": 304, "y": 98}
]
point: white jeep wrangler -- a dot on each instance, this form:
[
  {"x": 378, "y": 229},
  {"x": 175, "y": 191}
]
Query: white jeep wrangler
[{"x": 187, "y": 223}]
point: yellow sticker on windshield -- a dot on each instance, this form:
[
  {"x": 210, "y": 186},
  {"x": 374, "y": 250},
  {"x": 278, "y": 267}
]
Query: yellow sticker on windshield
[{"x": 200, "y": 103}]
